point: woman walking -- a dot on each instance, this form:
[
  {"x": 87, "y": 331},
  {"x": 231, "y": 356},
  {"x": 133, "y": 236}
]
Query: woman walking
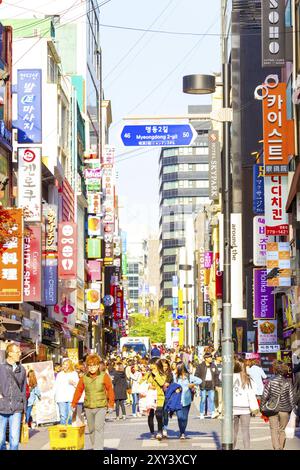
[
  {"x": 120, "y": 385},
  {"x": 244, "y": 402},
  {"x": 65, "y": 385},
  {"x": 156, "y": 380},
  {"x": 135, "y": 377},
  {"x": 278, "y": 395},
  {"x": 99, "y": 396},
  {"x": 187, "y": 383},
  {"x": 35, "y": 394},
  {"x": 169, "y": 379}
]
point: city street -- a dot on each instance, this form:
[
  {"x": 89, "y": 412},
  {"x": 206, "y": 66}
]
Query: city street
[{"x": 133, "y": 434}]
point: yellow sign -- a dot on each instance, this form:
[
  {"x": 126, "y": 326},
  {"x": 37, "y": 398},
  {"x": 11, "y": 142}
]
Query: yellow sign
[{"x": 73, "y": 355}]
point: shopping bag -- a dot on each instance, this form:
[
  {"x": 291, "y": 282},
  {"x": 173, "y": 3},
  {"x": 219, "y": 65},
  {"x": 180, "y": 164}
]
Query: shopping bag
[
  {"x": 24, "y": 435},
  {"x": 291, "y": 427},
  {"x": 151, "y": 399}
]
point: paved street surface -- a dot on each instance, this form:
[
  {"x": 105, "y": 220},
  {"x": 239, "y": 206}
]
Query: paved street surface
[{"x": 133, "y": 434}]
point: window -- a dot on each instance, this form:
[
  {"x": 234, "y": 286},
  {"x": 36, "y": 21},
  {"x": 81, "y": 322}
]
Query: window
[
  {"x": 170, "y": 169},
  {"x": 52, "y": 68},
  {"x": 169, "y": 268},
  {"x": 170, "y": 251},
  {"x": 133, "y": 294},
  {"x": 168, "y": 285},
  {"x": 133, "y": 282}
]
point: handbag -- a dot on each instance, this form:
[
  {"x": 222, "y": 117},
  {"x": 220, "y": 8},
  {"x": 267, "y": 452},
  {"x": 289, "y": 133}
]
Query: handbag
[
  {"x": 24, "y": 434},
  {"x": 271, "y": 407}
]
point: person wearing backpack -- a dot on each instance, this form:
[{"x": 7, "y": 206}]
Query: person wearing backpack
[{"x": 278, "y": 401}]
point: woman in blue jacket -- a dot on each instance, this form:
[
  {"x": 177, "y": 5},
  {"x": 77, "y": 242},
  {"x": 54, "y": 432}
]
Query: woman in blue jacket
[{"x": 187, "y": 383}]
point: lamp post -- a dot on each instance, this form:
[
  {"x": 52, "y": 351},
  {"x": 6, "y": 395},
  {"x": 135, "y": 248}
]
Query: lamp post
[{"x": 205, "y": 84}]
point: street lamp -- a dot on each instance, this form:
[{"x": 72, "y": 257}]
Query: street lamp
[{"x": 206, "y": 84}]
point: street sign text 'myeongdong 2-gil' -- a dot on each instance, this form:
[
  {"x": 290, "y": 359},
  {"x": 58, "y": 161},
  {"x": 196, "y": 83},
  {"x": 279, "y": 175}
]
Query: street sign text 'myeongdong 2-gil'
[{"x": 158, "y": 135}]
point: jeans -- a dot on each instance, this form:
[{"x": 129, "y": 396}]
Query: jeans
[
  {"x": 278, "y": 423},
  {"x": 122, "y": 404},
  {"x": 135, "y": 402},
  {"x": 14, "y": 421},
  {"x": 159, "y": 418},
  {"x": 218, "y": 400},
  {"x": 64, "y": 412},
  {"x": 28, "y": 413},
  {"x": 165, "y": 418},
  {"x": 211, "y": 400},
  {"x": 245, "y": 423},
  {"x": 182, "y": 417},
  {"x": 96, "y": 420}
]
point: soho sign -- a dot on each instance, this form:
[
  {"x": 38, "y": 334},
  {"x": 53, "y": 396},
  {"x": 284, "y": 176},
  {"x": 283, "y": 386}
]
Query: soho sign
[{"x": 273, "y": 33}]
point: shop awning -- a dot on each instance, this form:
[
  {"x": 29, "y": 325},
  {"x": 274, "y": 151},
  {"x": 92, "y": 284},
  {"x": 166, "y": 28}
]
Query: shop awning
[
  {"x": 294, "y": 189},
  {"x": 12, "y": 311},
  {"x": 10, "y": 326}
]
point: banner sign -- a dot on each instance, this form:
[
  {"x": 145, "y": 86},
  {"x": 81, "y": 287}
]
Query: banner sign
[
  {"x": 33, "y": 264},
  {"x": 50, "y": 212},
  {"x": 67, "y": 250},
  {"x": 273, "y": 33},
  {"x": 108, "y": 248},
  {"x": 94, "y": 226},
  {"x": 29, "y": 106},
  {"x": 119, "y": 304},
  {"x": 214, "y": 152},
  {"x": 30, "y": 183},
  {"x": 93, "y": 297},
  {"x": 264, "y": 299},
  {"x": 260, "y": 241},
  {"x": 258, "y": 189},
  {"x": 219, "y": 277},
  {"x": 208, "y": 259},
  {"x": 276, "y": 192},
  {"x": 267, "y": 332},
  {"x": 94, "y": 203},
  {"x": 236, "y": 266},
  {"x": 94, "y": 248},
  {"x": 50, "y": 282},
  {"x": 94, "y": 272},
  {"x": 93, "y": 173},
  {"x": 279, "y": 264},
  {"x": 11, "y": 259}
]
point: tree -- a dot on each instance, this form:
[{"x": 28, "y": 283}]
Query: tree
[{"x": 155, "y": 328}]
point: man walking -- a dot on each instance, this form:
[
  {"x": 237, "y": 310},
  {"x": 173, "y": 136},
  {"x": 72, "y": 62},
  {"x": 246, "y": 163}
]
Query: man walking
[
  {"x": 12, "y": 397},
  {"x": 208, "y": 373}
]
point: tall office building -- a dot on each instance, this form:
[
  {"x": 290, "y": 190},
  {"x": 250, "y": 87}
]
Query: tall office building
[{"x": 184, "y": 188}]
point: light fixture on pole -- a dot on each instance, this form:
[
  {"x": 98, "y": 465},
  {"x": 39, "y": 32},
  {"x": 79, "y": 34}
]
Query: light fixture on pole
[{"x": 206, "y": 84}]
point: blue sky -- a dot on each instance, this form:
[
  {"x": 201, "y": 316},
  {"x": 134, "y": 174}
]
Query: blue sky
[{"x": 143, "y": 75}]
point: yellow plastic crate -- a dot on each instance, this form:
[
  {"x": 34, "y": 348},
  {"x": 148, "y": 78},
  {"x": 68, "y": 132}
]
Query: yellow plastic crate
[{"x": 66, "y": 437}]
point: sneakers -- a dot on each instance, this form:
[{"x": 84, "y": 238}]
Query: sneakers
[
  {"x": 201, "y": 416},
  {"x": 134, "y": 415},
  {"x": 165, "y": 433},
  {"x": 152, "y": 436},
  {"x": 117, "y": 418},
  {"x": 159, "y": 436},
  {"x": 214, "y": 415},
  {"x": 182, "y": 437},
  {"x": 124, "y": 416}
]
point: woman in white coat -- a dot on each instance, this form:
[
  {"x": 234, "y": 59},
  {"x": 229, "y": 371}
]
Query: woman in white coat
[
  {"x": 244, "y": 402},
  {"x": 65, "y": 385}
]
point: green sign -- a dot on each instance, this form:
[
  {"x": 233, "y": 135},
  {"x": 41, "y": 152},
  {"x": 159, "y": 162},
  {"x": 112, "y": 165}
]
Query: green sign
[{"x": 94, "y": 248}]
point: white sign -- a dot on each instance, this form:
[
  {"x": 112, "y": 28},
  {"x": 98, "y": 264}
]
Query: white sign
[
  {"x": 29, "y": 183},
  {"x": 260, "y": 241},
  {"x": 236, "y": 267},
  {"x": 268, "y": 348},
  {"x": 267, "y": 332}
]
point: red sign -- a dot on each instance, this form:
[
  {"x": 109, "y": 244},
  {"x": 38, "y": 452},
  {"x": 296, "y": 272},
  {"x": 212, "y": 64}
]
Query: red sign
[
  {"x": 11, "y": 258},
  {"x": 219, "y": 277},
  {"x": 32, "y": 264},
  {"x": 94, "y": 273},
  {"x": 67, "y": 250}
]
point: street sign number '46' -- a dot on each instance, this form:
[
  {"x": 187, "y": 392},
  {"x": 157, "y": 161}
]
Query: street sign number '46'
[{"x": 158, "y": 135}]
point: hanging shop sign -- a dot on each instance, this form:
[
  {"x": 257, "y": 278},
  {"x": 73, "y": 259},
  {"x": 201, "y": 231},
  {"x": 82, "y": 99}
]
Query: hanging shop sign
[
  {"x": 260, "y": 241},
  {"x": 32, "y": 264},
  {"x": 290, "y": 306},
  {"x": 264, "y": 298},
  {"x": 94, "y": 226},
  {"x": 258, "y": 189},
  {"x": 30, "y": 183},
  {"x": 94, "y": 271},
  {"x": 279, "y": 264},
  {"x": 93, "y": 173},
  {"x": 276, "y": 192},
  {"x": 119, "y": 304},
  {"x": 11, "y": 259},
  {"x": 267, "y": 332},
  {"x": 50, "y": 211},
  {"x": 108, "y": 155},
  {"x": 273, "y": 33},
  {"x": 50, "y": 281},
  {"x": 219, "y": 277},
  {"x": 93, "y": 297},
  {"x": 93, "y": 185},
  {"x": 29, "y": 98},
  {"x": 236, "y": 266},
  {"x": 94, "y": 203},
  {"x": 67, "y": 250},
  {"x": 108, "y": 249},
  {"x": 214, "y": 158},
  {"x": 108, "y": 300},
  {"x": 278, "y": 131},
  {"x": 208, "y": 259},
  {"x": 94, "y": 248}
]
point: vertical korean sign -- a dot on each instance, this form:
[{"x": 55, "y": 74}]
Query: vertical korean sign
[
  {"x": 29, "y": 106},
  {"x": 29, "y": 183},
  {"x": 264, "y": 299},
  {"x": 108, "y": 184},
  {"x": 276, "y": 192},
  {"x": 67, "y": 250},
  {"x": 11, "y": 258},
  {"x": 32, "y": 264},
  {"x": 260, "y": 241},
  {"x": 258, "y": 189},
  {"x": 214, "y": 151},
  {"x": 273, "y": 33}
]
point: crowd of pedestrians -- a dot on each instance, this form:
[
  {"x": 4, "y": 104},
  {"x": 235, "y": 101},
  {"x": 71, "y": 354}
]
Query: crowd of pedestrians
[{"x": 159, "y": 385}]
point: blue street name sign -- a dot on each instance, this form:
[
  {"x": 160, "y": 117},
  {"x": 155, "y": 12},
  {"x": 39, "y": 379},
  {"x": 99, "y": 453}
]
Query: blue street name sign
[
  {"x": 175, "y": 329},
  {"x": 203, "y": 319},
  {"x": 181, "y": 317},
  {"x": 158, "y": 135}
]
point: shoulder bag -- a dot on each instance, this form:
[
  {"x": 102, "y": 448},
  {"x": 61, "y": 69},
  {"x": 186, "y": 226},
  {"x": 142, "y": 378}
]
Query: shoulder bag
[{"x": 271, "y": 407}]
